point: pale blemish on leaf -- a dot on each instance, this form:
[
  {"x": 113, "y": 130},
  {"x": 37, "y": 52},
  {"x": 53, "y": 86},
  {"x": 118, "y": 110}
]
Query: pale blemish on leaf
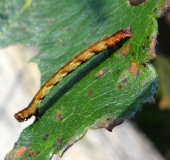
[
  {"x": 20, "y": 152},
  {"x": 101, "y": 73},
  {"x": 133, "y": 68}
]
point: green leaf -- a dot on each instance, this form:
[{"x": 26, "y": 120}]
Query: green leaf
[{"x": 101, "y": 93}]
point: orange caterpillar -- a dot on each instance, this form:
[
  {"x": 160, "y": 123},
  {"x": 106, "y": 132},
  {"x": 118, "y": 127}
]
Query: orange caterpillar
[{"x": 83, "y": 56}]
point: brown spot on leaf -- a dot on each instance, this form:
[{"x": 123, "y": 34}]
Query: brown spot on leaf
[
  {"x": 59, "y": 114},
  {"x": 20, "y": 152},
  {"x": 38, "y": 152},
  {"x": 101, "y": 73},
  {"x": 138, "y": 73},
  {"x": 59, "y": 141},
  {"x": 118, "y": 71},
  {"x": 108, "y": 119},
  {"x": 109, "y": 123},
  {"x": 144, "y": 47},
  {"x": 125, "y": 50},
  {"x": 90, "y": 93},
  {"x": 102, "y": 125},
  {"x": 59, "y": 117},
  {"x": 31, "y": 153},
  {"x": 120, "y": 86},
  {"x": 155, "y": 9},
  {"x": 133, "y": 54},
  {"x": 124, "y": 81},
  {"x": 136, "y": 3},
  {"x": 133, "y": 68},
  {"x": 152, "y": 47},
  {"x": 45, "y": 137},
  {"x": 68, "y": 29}
]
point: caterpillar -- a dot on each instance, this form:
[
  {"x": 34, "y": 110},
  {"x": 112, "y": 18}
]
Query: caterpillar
[{"x": 82, "y": 57}]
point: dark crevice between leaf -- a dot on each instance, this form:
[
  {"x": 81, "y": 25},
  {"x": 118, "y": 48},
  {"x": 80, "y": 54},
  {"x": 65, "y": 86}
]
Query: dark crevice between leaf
[
  {"x": 136, "y": 2},
  {"x": 97, "y": 60}
]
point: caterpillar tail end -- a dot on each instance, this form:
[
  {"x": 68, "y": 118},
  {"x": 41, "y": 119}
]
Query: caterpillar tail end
[{"x": 128, "y": 32}]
